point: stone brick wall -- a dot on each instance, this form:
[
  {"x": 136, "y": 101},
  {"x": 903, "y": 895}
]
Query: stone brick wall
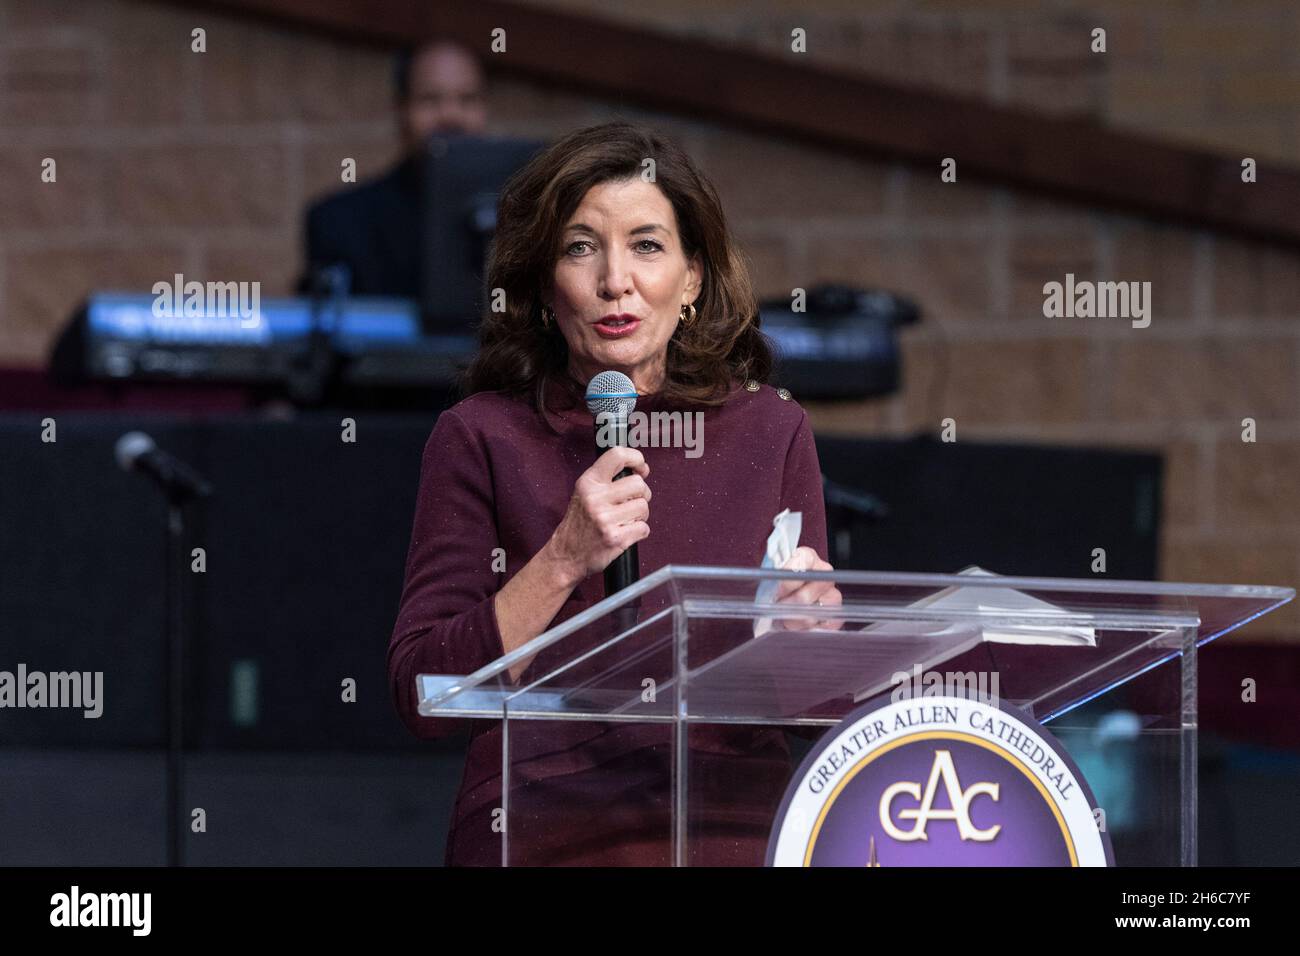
[{"x": 170, "y": 161}]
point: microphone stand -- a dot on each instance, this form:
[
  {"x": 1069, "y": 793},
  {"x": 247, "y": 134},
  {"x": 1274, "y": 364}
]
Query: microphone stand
[
  {"x": 313, "y": 370},
  {"x": 179, "y": 483},
  {"x": 174, "y": 628},
  {"x": 174, "y": 635},
  {"x": 848, "y": 504}
]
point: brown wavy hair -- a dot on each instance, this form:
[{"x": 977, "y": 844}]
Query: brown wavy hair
[{"x": 517, "y": 353}]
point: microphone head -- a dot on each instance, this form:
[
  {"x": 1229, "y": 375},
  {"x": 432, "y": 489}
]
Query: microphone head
[
  {"x": 130, "y": 447},
  {"x": 611, "y": 392}
]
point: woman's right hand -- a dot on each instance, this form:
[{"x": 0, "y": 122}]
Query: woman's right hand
[{"x": 605, "y": 516}]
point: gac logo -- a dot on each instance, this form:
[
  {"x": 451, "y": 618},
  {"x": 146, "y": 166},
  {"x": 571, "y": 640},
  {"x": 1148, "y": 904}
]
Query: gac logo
[{"x": 941, "y": 769}]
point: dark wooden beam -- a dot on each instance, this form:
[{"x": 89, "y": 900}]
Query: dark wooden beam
[{"x": 855, "y": 112}]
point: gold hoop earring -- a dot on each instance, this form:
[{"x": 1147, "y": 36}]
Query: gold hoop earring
[
  {"x": 547, "y": 317},
  {"x": 686, "y": 318}
]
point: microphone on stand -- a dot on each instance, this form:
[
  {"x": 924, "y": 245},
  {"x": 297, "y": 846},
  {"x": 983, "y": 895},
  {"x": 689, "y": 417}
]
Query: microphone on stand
[
  {"x": 611, "y": 397},
  {"x": 136, "y": 451}
]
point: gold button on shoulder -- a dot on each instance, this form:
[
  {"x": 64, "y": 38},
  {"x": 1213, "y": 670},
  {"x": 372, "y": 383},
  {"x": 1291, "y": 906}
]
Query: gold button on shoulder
[
  {"x": 752, "y": 386},
  {"x": 784, "y": 393}
]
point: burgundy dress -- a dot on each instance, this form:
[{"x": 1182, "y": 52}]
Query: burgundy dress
[{"x": 498, "y": 473}]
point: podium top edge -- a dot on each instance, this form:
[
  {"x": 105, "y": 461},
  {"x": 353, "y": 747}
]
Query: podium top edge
[{"x": 926, "y": 579}]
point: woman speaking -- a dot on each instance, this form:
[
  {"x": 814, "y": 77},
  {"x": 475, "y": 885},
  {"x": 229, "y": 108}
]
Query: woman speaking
[{"x": 611, "y": 253}]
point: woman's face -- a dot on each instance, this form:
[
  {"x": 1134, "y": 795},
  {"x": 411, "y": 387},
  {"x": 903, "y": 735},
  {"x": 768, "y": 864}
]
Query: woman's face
[{"x": 621, "y": 256}]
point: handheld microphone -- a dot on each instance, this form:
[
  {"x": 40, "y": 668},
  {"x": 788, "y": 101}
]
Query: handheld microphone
[
  {"x": 136, "y": 451},
  {"x": 611, "y": 397}
]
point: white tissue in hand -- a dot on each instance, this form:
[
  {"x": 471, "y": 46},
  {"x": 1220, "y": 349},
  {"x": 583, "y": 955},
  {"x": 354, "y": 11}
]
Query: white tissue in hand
[{"x": 781, "y": 545}]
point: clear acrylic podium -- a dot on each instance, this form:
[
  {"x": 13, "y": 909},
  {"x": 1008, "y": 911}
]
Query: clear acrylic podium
[{"x": 657, "y": 717}]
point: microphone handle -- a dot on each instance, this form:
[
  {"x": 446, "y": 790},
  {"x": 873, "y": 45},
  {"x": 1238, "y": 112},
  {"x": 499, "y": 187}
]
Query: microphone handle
[
  {"x": 624, "y": 569},
  {"x": 176, "y": 477}
]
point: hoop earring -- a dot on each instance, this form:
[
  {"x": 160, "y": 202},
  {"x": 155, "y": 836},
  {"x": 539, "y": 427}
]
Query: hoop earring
[{"x": 687, "y": 319}]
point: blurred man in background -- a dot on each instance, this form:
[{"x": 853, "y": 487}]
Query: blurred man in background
[{"x": 371, "y": 231}]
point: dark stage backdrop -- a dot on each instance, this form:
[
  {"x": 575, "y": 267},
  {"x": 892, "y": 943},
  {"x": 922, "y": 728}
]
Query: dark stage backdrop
[{"x": 306, "y": 542}]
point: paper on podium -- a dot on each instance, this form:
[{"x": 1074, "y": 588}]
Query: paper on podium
[{"x": 966, "y": 636}]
